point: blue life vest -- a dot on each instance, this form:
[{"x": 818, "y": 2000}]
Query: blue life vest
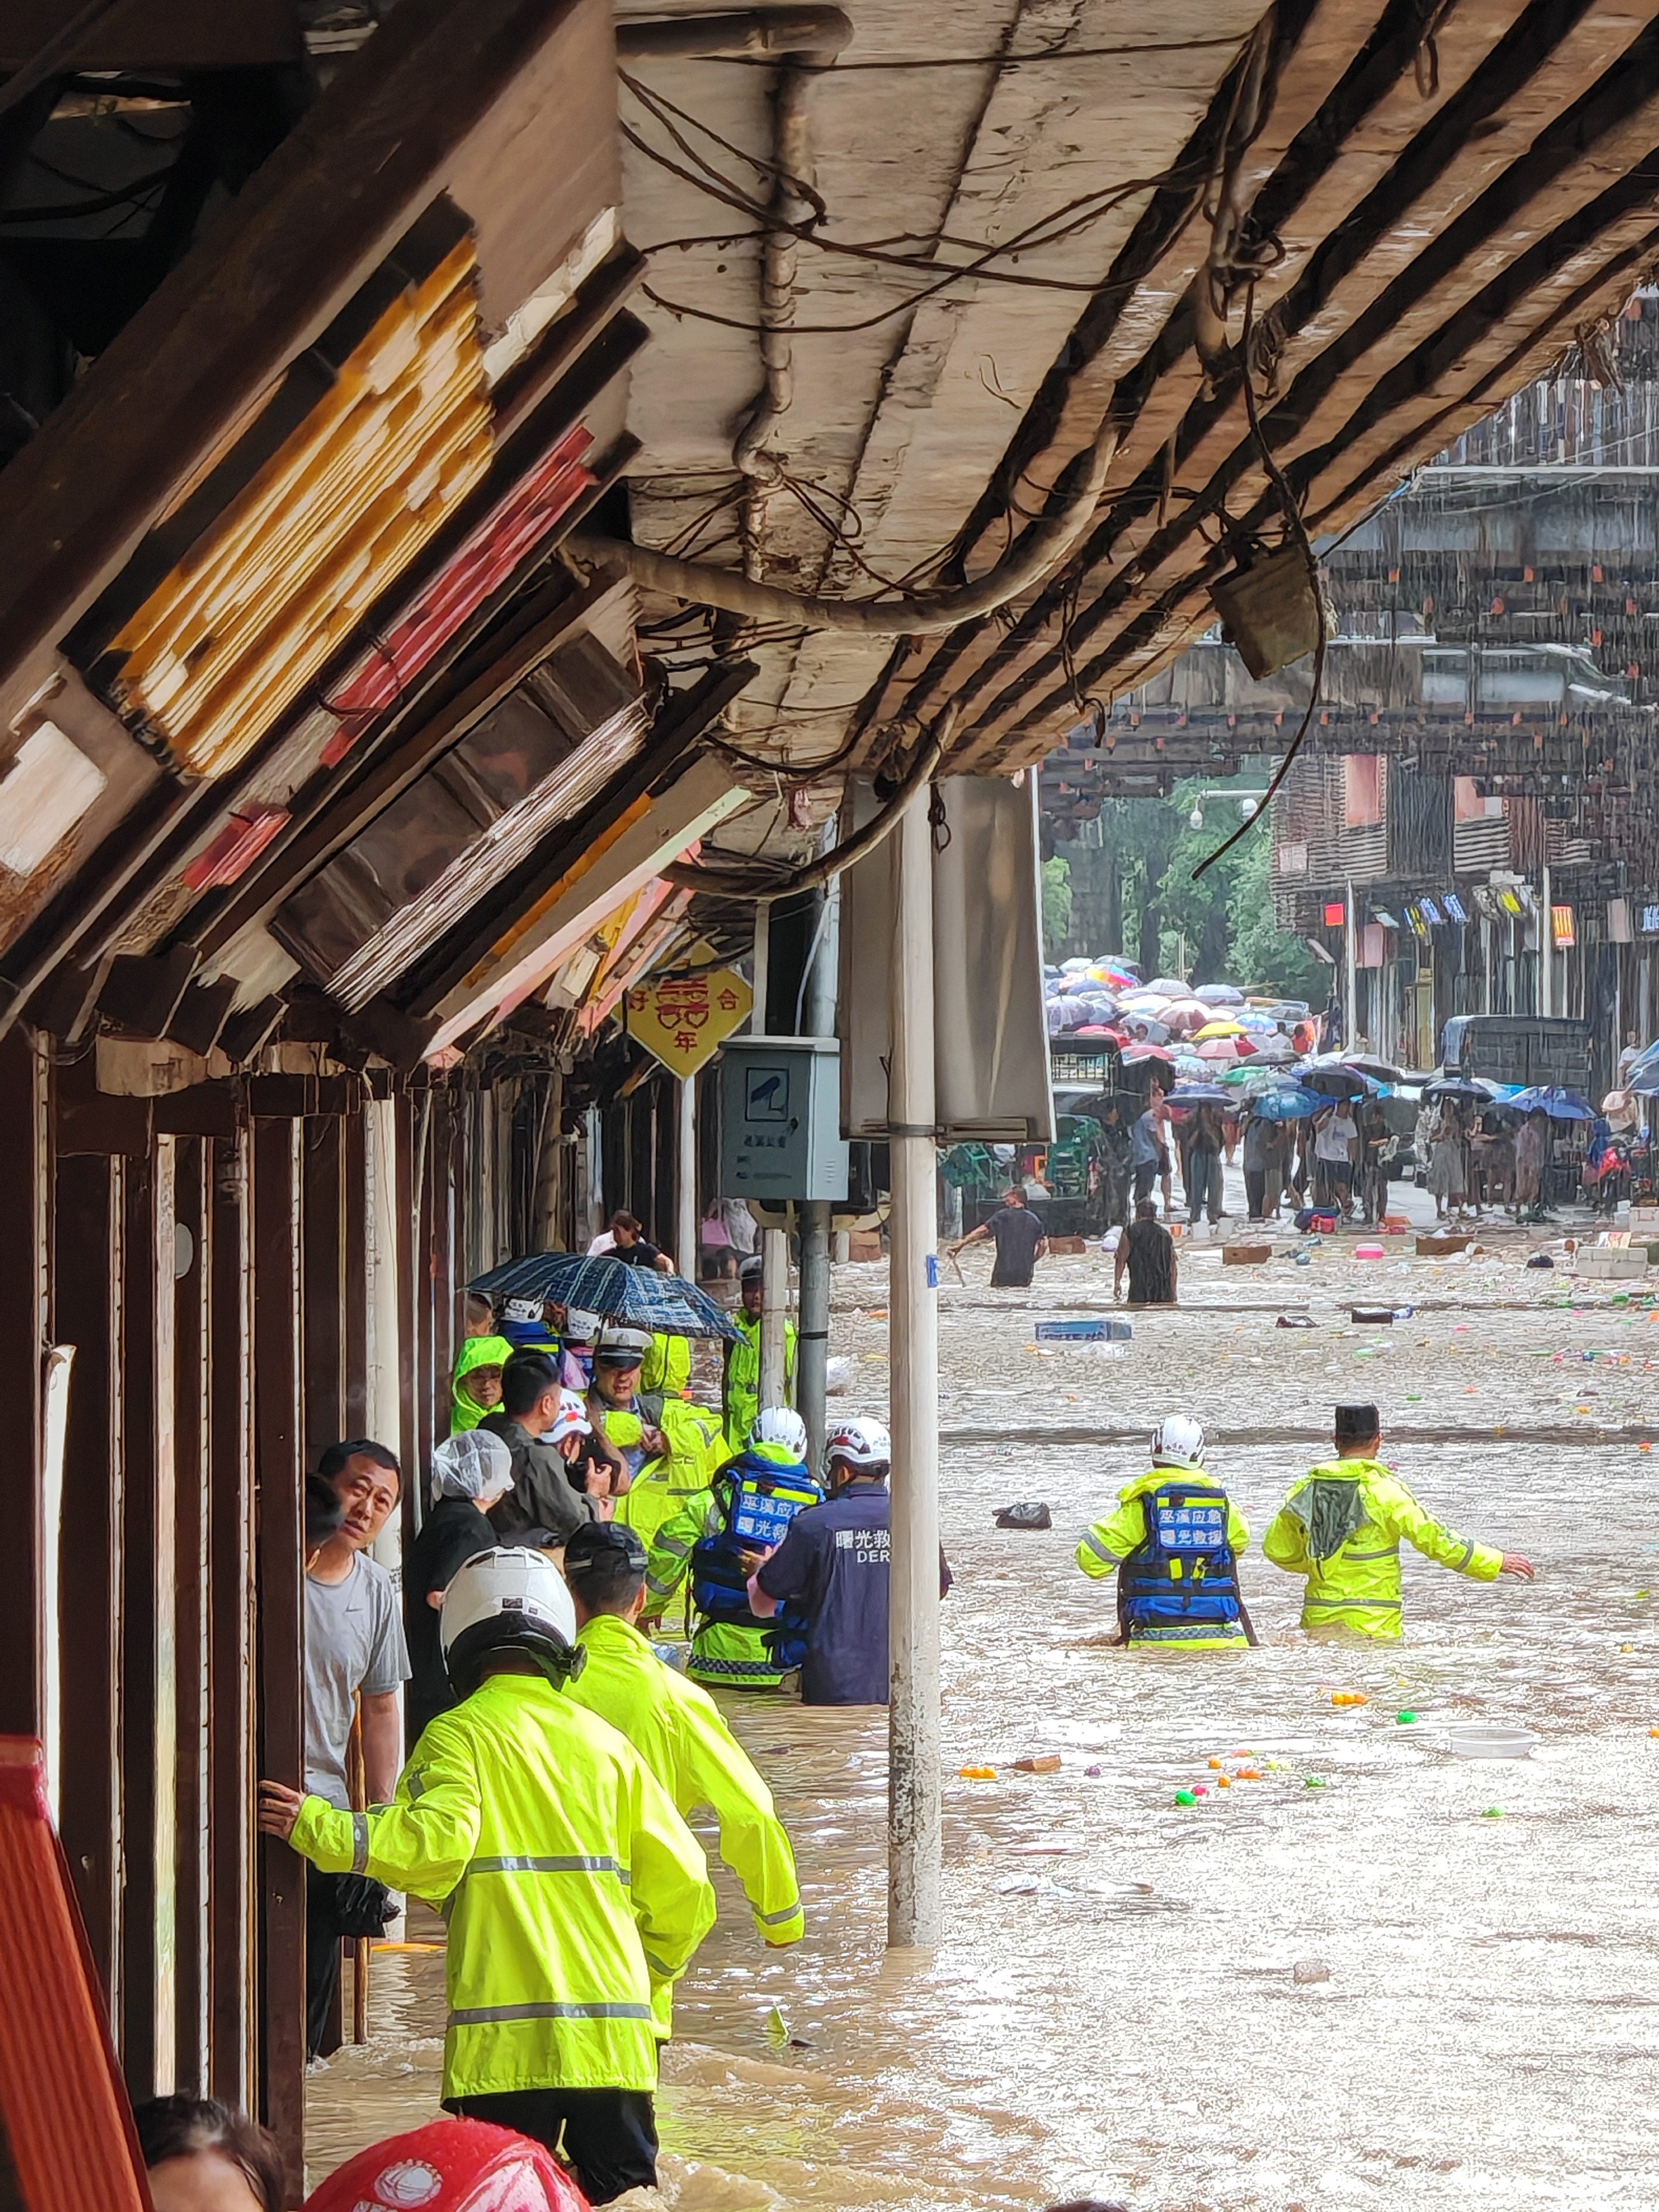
[
  {"x": 755, "y": 1498},
  {"x": 1183, "y": 1574}
]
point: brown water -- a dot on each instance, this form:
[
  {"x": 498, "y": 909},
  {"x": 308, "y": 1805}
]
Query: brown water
[{"x": 1113, "y": 2011}]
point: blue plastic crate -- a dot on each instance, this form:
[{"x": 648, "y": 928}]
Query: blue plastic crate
[{"x": 1100, "y": 1330}]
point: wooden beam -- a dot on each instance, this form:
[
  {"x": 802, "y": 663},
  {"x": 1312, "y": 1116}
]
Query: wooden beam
[
  {"x": 279, "y": 1470},
  {"x": 289, "y": 252}
]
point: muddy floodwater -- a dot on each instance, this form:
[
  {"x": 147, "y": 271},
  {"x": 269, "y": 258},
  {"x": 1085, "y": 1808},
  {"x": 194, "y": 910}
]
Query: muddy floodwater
[{"x": 1117, "y": 2009}]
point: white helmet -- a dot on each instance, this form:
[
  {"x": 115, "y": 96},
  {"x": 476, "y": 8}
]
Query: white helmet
[
  {"x": 1178, "y": 1442},
  {"x": 858, "y": 1444},
  {"x": 777, "y": 1425},
  {"x": 509, "y": 1597}
]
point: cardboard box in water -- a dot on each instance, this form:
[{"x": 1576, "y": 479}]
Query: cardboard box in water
[
  {"x": 1438, "y": 1248},
  {"x": 1246, "y": 1256}
]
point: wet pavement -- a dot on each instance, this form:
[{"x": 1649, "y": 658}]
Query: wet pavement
[{"x": 1116, "y": 2010}]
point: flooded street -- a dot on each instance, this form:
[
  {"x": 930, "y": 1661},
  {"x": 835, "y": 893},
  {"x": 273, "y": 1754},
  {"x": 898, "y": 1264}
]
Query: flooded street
[{"x": 1117, "y": 2010}]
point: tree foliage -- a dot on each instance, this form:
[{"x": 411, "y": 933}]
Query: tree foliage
[{"x": 1225, "y": 916}]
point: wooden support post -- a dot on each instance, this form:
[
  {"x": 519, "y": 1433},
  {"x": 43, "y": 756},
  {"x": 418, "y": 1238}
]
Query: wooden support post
[
  {"x": 193, "y": 2066},
  {"x": 26, "y": 1605},
  {"x": 88, "y": 1225},
  {"x": 233, "y": 2070},
  {"x": 279, "y": 1468},
  {"x": 914, "y": 1849},
  {"x": 326, "y": 1314}
]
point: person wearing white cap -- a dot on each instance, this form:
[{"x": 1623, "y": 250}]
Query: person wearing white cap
[{"x": 666, "y": 1445}]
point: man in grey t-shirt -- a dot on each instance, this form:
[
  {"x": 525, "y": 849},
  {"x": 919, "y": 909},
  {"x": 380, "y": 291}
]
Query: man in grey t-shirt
[{"x": 354, "y": 1654}]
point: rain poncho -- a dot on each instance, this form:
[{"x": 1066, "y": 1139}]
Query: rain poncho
[
  {"x": 1342, "y": 1529},
  {"x": 472, "y": 1463},
  {"x": 477, "y": 1352},
  {"x": 573, "y": 1888}
]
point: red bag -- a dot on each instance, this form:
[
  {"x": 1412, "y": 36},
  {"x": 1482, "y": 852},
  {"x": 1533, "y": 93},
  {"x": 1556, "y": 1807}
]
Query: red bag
[{"x": 451, "y": 2166}]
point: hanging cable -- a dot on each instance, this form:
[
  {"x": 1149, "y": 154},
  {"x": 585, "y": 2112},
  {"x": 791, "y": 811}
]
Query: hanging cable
[{"x": 1299, "y": 531}]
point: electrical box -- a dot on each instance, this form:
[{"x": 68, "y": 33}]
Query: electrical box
[{"x": 781, "y": 1119}]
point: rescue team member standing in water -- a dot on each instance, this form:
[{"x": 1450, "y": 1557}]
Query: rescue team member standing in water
[
  {"x": 835, "y": 1565},
  {"x": 1342, "y": 1528},
  {"x": 676, "y": 1728},
  {"x": 719, "y": 1539},
  {"x": 575, "y": 1891},
  {"x": 1174, "y": 1545},
  {"x": 743, "y": 1357}
]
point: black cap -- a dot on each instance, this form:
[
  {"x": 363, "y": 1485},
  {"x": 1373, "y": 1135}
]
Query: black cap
[
  {"x": 1357, "y": 1425},
  {"x": 605, "y": 1548}
]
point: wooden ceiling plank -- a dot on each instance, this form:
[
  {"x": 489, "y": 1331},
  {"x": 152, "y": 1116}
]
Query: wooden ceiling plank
[{"x": 265, "y": 281}]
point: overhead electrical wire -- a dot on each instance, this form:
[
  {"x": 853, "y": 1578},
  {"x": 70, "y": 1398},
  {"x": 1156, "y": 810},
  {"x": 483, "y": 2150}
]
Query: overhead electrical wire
[{"x": 1298, "y": 528}]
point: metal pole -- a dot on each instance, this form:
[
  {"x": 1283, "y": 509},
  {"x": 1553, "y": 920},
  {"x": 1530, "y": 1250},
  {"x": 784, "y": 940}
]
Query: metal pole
[
  {"x": 685, "y": 1185},
  {"x": 1546, "y": 952},
  {"x": 817, "y": 1214},
  {"x": 1351, "y": 973},
  {"x": 914, "y": 1848}
]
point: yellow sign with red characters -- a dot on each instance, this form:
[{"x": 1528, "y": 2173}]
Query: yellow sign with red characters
[{"x": 685, "y": 1019}]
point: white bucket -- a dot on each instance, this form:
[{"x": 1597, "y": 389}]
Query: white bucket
[{"x": 1489, "y": 1740}]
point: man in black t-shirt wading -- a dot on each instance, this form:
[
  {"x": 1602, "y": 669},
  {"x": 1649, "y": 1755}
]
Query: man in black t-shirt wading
[{"x": 1019, "y": 1238}]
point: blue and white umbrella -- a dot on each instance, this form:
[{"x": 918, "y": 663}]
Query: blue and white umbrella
[
  {"x": 665, "y": 1304},
  {"x": 1559, "y": 1105}
]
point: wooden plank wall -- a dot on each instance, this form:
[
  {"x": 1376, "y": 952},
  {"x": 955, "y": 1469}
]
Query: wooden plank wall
[{"x": 214, "y": 1289}]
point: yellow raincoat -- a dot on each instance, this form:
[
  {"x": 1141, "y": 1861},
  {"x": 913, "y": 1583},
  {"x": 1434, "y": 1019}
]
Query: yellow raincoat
[
  {"x": 1342, "y": 1529},
  {"x": 1114, "y": 1539},
  {"x": 678, "y": 1730},
  {"x": 663, "y": 1487},
  {"x": 573, "y": 1890}
]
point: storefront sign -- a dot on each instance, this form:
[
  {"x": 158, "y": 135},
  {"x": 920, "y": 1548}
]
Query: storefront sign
[{"x": 684, "y": 1019}]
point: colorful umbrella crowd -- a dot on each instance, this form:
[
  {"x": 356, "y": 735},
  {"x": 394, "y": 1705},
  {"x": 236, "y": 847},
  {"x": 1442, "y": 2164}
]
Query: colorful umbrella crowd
[{"x": 1215, "y": 1045}]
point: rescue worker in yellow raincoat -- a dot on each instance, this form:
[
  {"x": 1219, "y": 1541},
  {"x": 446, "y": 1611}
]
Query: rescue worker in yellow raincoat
[
  {"x": 676, "y": 1728},
  {"x": 1342, "y": 1528},
  {"x": 1174, "y": 1544},
  {"x": 668, "y": 1446},
  {"x": 741, "y": 1389},
  {"x": 720, "y": 1539},
  {"x": 573, "y": 1890}
]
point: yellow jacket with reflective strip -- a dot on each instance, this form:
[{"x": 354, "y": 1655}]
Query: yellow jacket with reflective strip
[
  {"x": 1109, "y": 1542},
  {"x": 743, "y": 1370},
  {"x": 663, "y": 1487},
  {"x": 678, "y": 1730},
  {"x": 1358, "y": 1587},
  {"x": 573, "y": 1888}
]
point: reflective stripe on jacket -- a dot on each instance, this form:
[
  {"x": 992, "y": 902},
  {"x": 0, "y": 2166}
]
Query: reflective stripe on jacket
[
  {"x": 1110, "y": 1543},
  {"x": 1357, "y": 1586},
  {"x": 573, "y": 1888},
  {"x": 677, "y": 1729}
]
